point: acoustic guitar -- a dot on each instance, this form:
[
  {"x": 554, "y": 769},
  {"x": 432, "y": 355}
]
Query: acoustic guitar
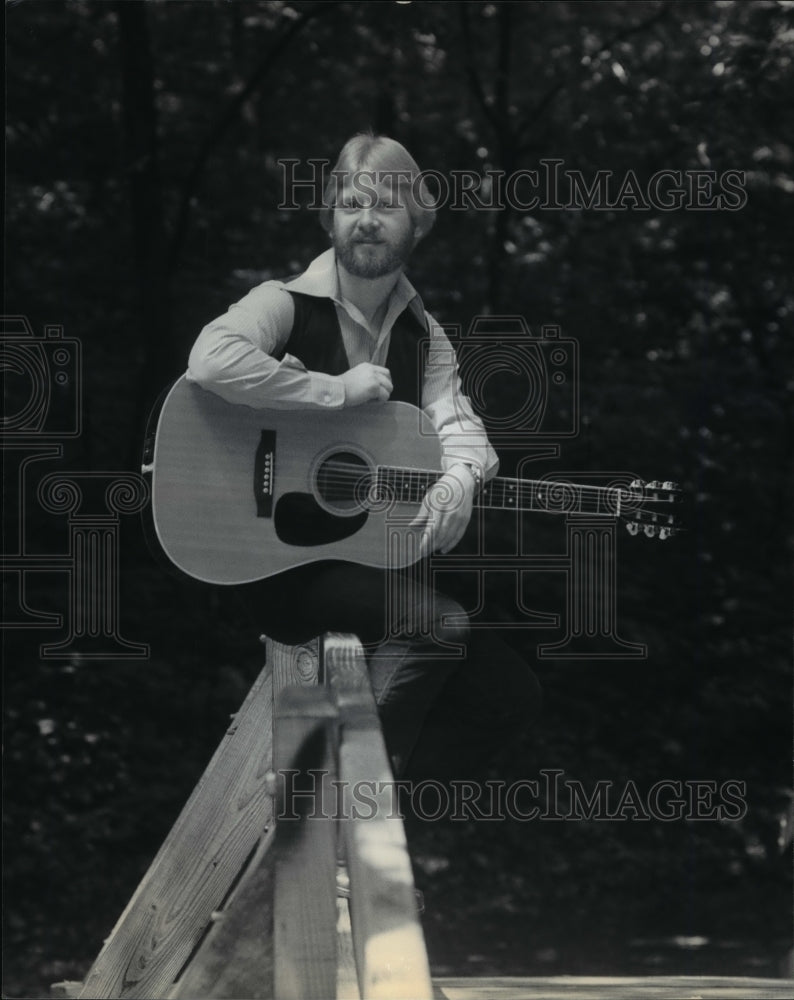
[{"x": 240, "y": 494}]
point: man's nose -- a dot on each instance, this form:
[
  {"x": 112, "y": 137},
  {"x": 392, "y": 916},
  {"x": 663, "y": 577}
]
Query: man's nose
[{"x": 367, "y": 219}]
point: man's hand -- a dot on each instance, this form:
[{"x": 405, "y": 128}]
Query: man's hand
[
  {"x": 446, "y": 511},
  {"x": 366, "y": 383}
]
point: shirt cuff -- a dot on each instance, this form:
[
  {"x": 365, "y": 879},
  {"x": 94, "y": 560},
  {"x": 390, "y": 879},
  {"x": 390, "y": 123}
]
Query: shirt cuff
[
  {"x": 474, "y": 472},
  {"x": 484, "y": 459},
  {"x": 327, "y": 391}
]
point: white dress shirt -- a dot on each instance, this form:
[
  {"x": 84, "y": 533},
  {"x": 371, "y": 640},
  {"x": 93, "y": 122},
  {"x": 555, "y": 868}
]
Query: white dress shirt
[{"x": 234, "y": 357}]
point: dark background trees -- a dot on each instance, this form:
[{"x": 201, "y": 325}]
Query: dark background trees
[{"x": 143, "y": 143}]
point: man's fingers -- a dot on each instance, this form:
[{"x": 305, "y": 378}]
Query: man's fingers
[
  {"x": 378, "y": 391},
  {"x": 438, "y": 533},
  {"x": 381, "y": 384},
  {"x": 421, "y": 519},
  {"x": 450, "y": 531},
  {"x": 451, "y": 541}
]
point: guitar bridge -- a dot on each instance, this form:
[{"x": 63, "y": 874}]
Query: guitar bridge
[{"x": 265, "y": 474}]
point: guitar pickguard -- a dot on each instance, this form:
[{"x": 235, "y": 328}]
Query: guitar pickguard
[{"x": 300, "y": 520}]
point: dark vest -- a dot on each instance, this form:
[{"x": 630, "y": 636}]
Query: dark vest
[{"x": 316, "y": 340}]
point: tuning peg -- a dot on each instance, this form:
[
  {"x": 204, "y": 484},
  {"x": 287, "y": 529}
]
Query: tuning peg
[
  {"x": 668, "y": 485},
  {"x": 654, "y": 484},
  {"x": 637, "y": 484},
  {"x": 666, "y": 533},
  {"x": 632, "y": 527},
  {"x": 650, "y": 530}
]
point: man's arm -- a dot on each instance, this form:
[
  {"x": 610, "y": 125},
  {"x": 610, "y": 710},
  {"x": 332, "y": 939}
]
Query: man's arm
[
  {"x": 462, "y": 434},
  {"x": 235, "y": 357},
  {"x": 468, "y": 459}
]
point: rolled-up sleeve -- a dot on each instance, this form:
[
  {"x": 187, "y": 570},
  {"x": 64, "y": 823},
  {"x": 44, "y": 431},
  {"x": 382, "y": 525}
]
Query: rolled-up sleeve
[
  {"x": 237, "y": 356},
  {"x": 463, "y": 436}
]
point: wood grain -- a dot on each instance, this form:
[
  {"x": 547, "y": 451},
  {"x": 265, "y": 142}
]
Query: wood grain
[
  {"x": 235, "y": 959},
  {"x": 203, "y": 503},
  {"x": 207, "y": 850},
  {"x": 387, "y": 937},
  {"x": 614, "y": 988},
  {"x": 202, "y": 856},
  {"x": 346, "y": 976},
  {"x": 304, "y": 925}
]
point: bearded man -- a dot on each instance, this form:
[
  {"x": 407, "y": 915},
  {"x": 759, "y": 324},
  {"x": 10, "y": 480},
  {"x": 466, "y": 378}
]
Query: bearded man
[{"x": 351, "y": 330}]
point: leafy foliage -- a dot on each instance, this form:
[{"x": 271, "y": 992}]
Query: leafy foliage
[{"x": 143, "y": 151}]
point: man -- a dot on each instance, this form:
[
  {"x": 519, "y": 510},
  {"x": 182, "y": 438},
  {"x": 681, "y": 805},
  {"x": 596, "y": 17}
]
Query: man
[{"x": 346, "y": 332}]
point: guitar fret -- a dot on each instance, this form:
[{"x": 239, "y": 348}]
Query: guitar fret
[
  {"x": 407, "y": 485},
  {"x": 501, "y": 493},
  {"x": 327, "y": 480}
]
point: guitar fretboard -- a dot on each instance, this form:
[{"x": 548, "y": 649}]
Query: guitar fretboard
[{"x": 503, "y": 493}]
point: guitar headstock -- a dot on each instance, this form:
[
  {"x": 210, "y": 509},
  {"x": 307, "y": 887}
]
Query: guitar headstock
[{"x": 647, "y": 506}]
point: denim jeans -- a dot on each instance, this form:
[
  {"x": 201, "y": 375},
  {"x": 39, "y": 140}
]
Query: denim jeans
[{"x": 446, "y": 693}]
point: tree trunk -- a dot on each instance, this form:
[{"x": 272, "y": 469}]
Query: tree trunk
[{"x": 146, "y": 203}]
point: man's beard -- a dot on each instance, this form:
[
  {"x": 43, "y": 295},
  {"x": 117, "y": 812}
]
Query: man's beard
[{"x": 375, "y": 260}]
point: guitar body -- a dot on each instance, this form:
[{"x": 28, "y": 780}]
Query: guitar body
[{"x": 240, "y": 494}]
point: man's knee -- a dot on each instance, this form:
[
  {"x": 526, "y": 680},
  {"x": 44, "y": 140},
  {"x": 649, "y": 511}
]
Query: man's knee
[
  {"x": 450, "y": 623},
  {"x": 431, "y": 617}
]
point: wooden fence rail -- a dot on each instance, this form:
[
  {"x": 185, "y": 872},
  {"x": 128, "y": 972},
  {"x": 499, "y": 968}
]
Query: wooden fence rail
[{"x": 241, "y": 901}]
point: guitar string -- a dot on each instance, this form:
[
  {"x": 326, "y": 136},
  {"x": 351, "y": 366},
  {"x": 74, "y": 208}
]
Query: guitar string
[
  {"x": 660, "y": 519},
  {"x": 434, "y": 474},
  {"x": 420, "y": 475},
  {"x": 347, "y": 474},
  {"x": 559, "y": 496}
]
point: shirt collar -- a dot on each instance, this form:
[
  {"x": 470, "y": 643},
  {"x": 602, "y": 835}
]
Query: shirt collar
[{"x": 321, "y": 280}]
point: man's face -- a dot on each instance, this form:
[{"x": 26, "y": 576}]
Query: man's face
[{"x": 373, "y": 232}]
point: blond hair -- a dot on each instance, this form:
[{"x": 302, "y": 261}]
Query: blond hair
[{"x": 387, "y": 159}]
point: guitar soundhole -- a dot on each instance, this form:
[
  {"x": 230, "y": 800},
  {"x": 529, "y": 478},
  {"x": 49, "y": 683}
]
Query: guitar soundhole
[{"x": 344, "y": 483}]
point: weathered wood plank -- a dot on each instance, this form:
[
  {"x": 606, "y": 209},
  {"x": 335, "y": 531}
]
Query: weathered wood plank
[
  {"x": 387, "y": 938},
  {"x": 293, "y": 664},
  {"x": 235, "y": 960},
  {"x": 614, "y": 988},
  {"x": 304, "y": 926},
  {"x": 346, "y": 978},
  {"x": 199, "y": 862},
  {"x": 67, "y": 989}
]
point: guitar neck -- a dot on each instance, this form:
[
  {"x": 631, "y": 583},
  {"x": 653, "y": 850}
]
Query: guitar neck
[{"x": 504, "y": 493}]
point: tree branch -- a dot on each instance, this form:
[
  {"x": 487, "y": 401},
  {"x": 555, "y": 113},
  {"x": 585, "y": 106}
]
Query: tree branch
[
  {"x": 621, "y": 35},
  {"x": 471, "y": 69},
  {"x": 226, "y": 120},
  {"x": 502, "y": 95}
]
